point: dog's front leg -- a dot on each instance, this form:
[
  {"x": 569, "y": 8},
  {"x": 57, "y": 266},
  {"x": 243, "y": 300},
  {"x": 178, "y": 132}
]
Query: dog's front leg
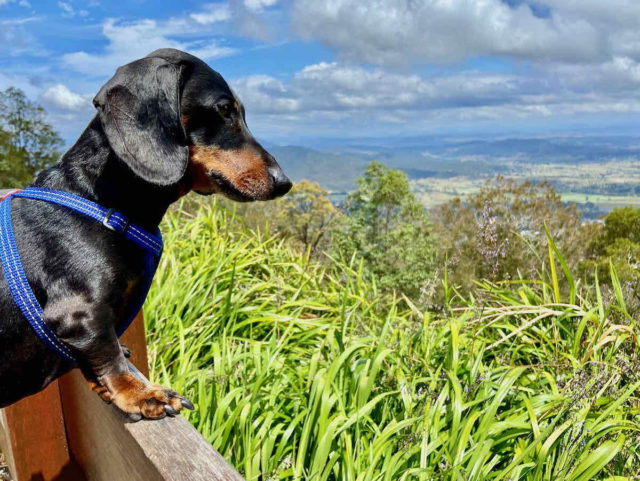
[
  {"x": 101, "y": 358},
  {"x": 106, "y": 369}
]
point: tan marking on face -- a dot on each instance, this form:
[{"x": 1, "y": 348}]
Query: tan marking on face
[{"x": 244, "y": 169}]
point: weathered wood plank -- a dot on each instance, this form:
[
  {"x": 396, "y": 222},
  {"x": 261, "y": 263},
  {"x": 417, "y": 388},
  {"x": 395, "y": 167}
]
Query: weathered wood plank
[
  {"x": 108, "y": 446},
  {"x": 5, "y": 440}
]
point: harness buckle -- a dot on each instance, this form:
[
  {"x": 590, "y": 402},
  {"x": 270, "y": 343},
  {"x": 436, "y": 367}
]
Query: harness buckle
[{"x": 107, "y": 218}]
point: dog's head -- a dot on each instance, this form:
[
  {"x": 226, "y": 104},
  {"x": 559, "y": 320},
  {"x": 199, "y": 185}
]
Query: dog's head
[{"x": 174, "y": 120}]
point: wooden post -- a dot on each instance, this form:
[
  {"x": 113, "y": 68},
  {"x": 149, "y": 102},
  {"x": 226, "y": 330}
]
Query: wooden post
[
  {"x": 34, "y": 441},
  {"x": 66, "y": 433}
]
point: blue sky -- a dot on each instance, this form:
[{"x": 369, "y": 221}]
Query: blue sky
[{"x": 309, "y": 69}]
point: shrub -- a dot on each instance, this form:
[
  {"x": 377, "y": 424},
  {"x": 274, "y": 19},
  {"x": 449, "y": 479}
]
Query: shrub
[
  {"x": 617, "y": 245},
  {"x": 499, "y": 232}
]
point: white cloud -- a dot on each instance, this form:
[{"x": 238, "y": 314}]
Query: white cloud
[
  {"x": 555, "y": 58},
  {"x": 265, "y": 94},
  {"x": 334, "y": 95},
  {"x": 66, "y": 7},
  {"x": 336, "y": 87},
  {"x": 212, "y": 13},
  {"x": 133, "y": 40},
  {"x": 25, "y": 84},
  {"x": 68, "y": 122},
  {"x": 391, "y": 32},
  {"x": 61, "y": 98},
  {"x": 597, "y": 12},
  {"x": 17, "y": 39},
  {"x": 258, "y": 5}
]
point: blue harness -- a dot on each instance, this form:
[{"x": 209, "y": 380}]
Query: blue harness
[{"x": 14, "y": 273}]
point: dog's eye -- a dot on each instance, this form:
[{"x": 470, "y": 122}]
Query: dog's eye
[{"x": 225, "y": 109}]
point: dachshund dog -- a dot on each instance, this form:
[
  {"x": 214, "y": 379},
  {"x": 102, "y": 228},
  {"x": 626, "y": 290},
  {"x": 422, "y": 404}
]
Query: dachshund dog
[{"x": 166, "y": 124}]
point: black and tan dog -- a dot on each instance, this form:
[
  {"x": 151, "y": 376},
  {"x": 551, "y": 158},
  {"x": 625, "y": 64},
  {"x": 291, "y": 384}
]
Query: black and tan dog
[{"x": 166, "y": 124}]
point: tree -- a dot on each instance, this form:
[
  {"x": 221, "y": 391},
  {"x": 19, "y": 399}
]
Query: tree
[
  {"x": 617, "y": 244},
  {"x": 305, "y": 215},
  {"x": 389, "y": 229},
  {"x": 28, "y": 144},
  {"x": 622, "y": 223},
  {"x": 498, "y": 233}
]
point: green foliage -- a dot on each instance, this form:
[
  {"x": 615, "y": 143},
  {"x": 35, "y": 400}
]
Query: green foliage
[
  {"x": 387, "y": 226},
  {"x": 623, "y": 223},
  {"x": 499, "y": 232},
  {"x": 304, "y": 217},
  {"x": 28, "y": 144},
  {"x": 618, "y": 245},
  {"x": 299, "y": 373}
]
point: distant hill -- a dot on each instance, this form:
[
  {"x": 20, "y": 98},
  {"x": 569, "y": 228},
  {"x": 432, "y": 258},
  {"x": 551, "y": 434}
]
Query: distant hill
[
  {"x": 336, "y": 163},
  {"x": 334, "y": 172}
]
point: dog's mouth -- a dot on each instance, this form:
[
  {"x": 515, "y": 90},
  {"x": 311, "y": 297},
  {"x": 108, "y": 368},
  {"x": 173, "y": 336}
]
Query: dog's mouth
[
  {"x": 225, "y": 187},
  {"x": 242, "y": 175}
]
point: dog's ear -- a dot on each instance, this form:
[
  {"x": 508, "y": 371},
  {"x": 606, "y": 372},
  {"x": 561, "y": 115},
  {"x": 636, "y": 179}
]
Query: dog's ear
[{"x": 139, "y": 108}]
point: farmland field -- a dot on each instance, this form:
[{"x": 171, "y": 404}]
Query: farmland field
[{"x": 604, "y": 185}]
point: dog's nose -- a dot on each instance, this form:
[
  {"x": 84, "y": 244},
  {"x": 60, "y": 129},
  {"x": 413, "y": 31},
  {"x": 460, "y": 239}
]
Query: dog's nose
[{"x": 281, "y": 183}]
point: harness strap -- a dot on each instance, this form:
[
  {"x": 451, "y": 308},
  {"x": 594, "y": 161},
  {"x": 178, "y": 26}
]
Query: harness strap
[
  {"x": 16, "y": 278},
  {"x": 110, "y": 218}
]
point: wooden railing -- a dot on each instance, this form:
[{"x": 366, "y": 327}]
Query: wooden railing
[{"x": 67, "y": 433}]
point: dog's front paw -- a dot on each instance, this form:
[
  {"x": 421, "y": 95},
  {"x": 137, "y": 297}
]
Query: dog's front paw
[
  {"x": 101, "y": 391},
  {"x": 138, "y": 398}
]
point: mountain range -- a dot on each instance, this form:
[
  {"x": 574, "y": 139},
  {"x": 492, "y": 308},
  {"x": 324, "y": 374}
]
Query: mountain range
[{"x": 336, "y": 163}]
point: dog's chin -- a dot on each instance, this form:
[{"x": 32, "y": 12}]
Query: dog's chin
[{"x": 221, "y": 185}]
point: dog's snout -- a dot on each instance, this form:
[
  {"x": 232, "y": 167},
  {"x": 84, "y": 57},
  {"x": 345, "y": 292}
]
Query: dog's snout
[{"x": 281, "y": 183}]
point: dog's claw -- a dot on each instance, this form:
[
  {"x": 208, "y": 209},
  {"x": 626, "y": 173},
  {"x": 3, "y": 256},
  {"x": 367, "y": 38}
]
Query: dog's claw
[
  {"x": 169, "y": 410},
  {"x": 187, "y": 404},
  {"x": 125, "y": 351},
  {"x": 135, "y": 417}
]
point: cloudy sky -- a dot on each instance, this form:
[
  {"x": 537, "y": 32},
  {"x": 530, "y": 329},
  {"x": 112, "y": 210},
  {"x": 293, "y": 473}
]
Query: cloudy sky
[{"x": 349, "y": 68}]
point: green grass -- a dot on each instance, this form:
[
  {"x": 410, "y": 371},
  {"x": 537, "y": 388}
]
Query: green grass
[{"x": 303, "y": 372}]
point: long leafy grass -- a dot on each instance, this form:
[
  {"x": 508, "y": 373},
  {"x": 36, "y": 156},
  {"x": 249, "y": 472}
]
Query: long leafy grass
[{"x": 301, "y": 371}]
